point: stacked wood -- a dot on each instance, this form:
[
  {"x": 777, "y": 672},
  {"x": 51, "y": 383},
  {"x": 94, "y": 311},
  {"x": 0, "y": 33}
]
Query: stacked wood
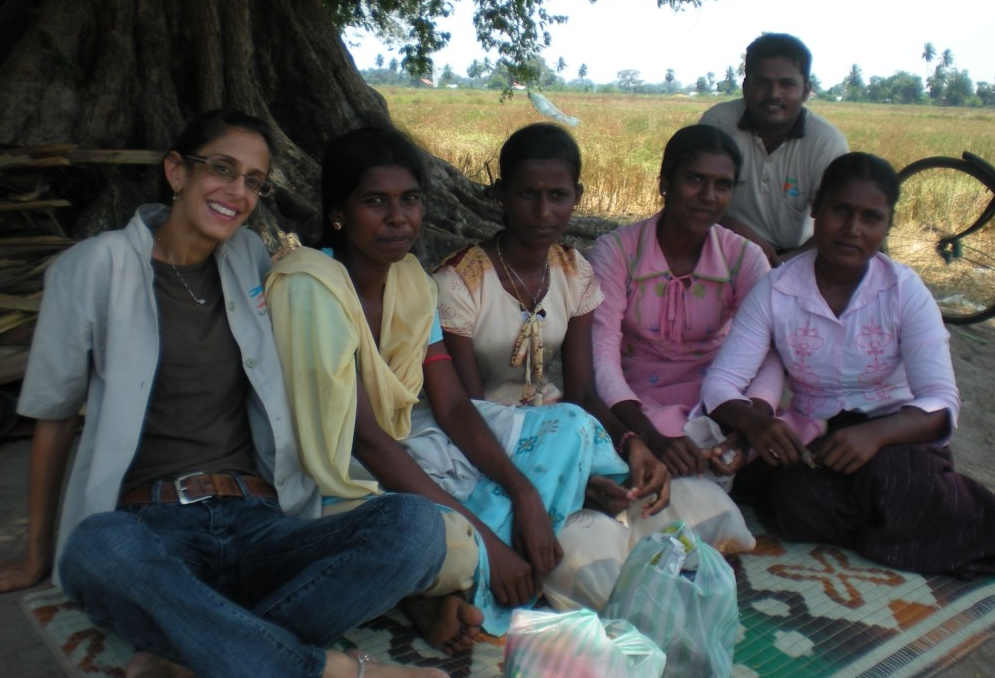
[{"x": 32, "y": 236}]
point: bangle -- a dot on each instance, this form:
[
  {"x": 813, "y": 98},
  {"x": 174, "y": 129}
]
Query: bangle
[
  {"x": 436, "y": 358},
  {"x": 626, "y": 437}
]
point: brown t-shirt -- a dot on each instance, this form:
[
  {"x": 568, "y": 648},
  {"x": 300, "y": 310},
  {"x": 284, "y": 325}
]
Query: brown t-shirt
[{"x": 196, "y": 418}]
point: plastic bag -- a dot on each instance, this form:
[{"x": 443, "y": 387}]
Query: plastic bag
[
  {"x": 578, "y": 644},
  {"x": 681, "y": 593}
]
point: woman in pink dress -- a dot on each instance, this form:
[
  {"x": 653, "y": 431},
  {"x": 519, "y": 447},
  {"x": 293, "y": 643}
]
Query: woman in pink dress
[{"x": 672, "y": 284}]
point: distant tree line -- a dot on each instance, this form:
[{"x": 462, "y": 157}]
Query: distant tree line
[{"x": 944, "y": 85}]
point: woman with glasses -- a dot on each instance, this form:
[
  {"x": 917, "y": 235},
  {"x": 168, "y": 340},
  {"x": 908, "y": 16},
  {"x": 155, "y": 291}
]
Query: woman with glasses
[{"x": 189, "y": 527}]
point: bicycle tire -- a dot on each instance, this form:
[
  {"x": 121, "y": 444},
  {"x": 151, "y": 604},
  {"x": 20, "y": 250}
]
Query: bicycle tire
[{"x": 940, "y": 231}]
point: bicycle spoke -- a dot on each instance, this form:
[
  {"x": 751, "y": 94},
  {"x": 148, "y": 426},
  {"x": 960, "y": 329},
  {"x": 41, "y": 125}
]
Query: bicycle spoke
[{"x": 942, "y": 198}]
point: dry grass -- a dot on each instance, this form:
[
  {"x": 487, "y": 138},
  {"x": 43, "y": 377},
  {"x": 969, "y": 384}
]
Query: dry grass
[
  {"x": 622, "y": 139},
  {"x": 622, "y": 136},
  {"x": 938, "y": 204}
]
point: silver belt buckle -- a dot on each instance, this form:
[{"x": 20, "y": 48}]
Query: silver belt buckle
[{"x": 181, "y": 489}]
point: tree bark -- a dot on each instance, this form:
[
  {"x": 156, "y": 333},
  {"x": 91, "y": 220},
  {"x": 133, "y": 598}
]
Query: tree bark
[{"x": 127, "y": 74}]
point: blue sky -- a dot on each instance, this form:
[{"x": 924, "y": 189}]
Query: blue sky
[{"x": 881, "y": 36}]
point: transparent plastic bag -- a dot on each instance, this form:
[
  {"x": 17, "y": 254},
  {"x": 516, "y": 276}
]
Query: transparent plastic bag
[
  {"x": 578, "y": 644},
  {"x": 681, "y": 593}
]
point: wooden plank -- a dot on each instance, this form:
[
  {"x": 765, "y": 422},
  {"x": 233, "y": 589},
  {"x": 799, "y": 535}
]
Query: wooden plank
[
  {"x": 32, "y": 240},
  {"x": 9, "y": 321},
  {"x": 117, "y": 157},
  {"x": 33, "y": 205},
  {"x": 40, "y": 150},
  {"x": 25, "y": 162},
  {"x": 12, "y": 302}
]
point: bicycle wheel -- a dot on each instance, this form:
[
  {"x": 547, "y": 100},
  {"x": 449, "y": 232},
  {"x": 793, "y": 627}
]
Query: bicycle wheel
[{"x": 940, "y": 231}]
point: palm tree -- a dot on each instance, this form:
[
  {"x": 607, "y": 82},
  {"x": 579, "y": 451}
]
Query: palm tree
[
  {"x": 379, "y": 61},
  {"x": 670, "y": 80},
  {"x": 928, "y": 54},
  {"x": 854, "y": 83},
  {"x": 728, "y": 85},
  {"x": 947, "y": 60},
  {"x": 582, "y": 71},
  {"x": 475, "y": 70},
  {"x": 447, "y": 75},
  {"x": 561, "y": 65}
]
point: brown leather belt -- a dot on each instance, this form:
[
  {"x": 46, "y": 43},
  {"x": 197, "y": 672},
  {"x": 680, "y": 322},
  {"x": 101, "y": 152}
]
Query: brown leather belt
[{"x": 194, "y": 487}]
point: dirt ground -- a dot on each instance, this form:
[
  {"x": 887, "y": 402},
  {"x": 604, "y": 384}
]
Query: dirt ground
[{"x": 972, "y": 349}]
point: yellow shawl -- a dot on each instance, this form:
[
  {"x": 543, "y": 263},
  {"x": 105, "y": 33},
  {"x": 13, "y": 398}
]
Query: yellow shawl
[{"x": 323, "y": 341}]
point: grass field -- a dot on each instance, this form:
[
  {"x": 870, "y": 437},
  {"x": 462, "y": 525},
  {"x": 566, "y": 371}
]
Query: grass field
[
  {"x": 622, "y": 139},
  {"x": 622, "y": 136}
]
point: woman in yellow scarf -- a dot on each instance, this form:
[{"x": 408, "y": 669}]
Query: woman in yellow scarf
[{"x": 359, "y": 338}]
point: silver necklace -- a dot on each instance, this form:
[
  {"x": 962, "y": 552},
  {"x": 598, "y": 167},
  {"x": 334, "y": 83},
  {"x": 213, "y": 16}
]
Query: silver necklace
[
  {"x": 162, "y": 248},
  {"x": 512, "y": 271}
]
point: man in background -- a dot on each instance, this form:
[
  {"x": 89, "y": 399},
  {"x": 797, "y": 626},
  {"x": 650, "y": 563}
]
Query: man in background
[{"x": 785, "y": 146}]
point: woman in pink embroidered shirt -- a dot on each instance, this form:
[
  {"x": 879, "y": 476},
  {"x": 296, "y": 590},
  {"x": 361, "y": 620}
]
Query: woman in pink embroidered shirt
[
  {"x": 859, "y": 458},
  {"x": 672, "y": 284}
]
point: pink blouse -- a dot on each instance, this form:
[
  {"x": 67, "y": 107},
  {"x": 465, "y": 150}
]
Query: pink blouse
[
  {"x": 656, "y": 334},
  {"x": 887, "y": 350}
]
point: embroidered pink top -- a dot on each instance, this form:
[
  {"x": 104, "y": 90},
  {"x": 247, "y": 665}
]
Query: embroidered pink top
[
  {"x": 888, "y": 349},
  {"x": 656, "y": 334}
]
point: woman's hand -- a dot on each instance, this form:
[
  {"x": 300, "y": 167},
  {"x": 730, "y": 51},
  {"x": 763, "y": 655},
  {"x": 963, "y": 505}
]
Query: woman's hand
[
  {"x": 649, "y": 476},
  {"x": 605, "y": 495},
  {"x": 847, "y": 450},
  {"x": 532, "y": 536},
  {"x": 681, "y": 455},
  {"x": 512, "y": 580},
  {"x": 774, "y": 440},
  {"x": 736, "y": 443}
]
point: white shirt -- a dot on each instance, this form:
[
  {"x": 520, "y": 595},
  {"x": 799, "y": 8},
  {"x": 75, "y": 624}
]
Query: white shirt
[
  {"x": 887, "y": 350},
  {"x": 777, "y": 188}
]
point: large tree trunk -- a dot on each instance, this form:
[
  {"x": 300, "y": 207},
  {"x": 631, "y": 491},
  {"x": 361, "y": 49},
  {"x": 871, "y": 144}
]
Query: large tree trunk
[{"x": 127, "y": 74}]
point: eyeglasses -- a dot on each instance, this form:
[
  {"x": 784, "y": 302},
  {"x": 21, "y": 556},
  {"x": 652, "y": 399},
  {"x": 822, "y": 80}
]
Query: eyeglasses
[{"x": 222, "y": 168}]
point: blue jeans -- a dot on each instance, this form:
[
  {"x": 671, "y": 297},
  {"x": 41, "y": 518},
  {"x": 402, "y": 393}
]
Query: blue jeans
[{"x": 235, "y": 588}]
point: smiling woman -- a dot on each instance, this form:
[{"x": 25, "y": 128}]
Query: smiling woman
[
  {"x": 161, "y": 329},
  {"x": 673, "y": 284},
  {"x": 859, "y": 457}
]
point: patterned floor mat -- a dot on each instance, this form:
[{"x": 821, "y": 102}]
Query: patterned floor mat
[{"x": 806, "y": 611}]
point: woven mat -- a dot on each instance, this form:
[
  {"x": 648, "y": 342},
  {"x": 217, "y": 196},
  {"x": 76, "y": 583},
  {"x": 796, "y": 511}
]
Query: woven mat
[
  {"x": 86, "y": 651},
  {"x": 806, "y": 611}
]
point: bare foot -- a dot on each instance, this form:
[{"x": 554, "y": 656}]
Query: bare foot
[
  {"x": 339, "y": 665},
  {"x": 148, "y": 665},
  {"x": 448, "y": 623}
]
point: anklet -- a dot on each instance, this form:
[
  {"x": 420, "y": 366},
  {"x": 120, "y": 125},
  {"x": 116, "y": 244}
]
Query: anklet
[{"x": 361, "y": 659}]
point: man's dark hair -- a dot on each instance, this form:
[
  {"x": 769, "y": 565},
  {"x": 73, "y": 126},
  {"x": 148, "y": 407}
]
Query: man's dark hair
[{"x": 779, "y": 45}]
